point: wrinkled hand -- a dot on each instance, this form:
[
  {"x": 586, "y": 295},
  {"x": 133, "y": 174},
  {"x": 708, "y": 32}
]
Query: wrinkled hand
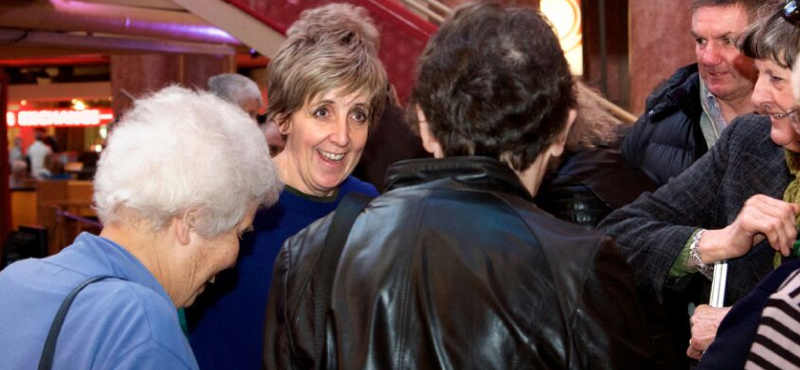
[
  {"x": 761, "y": 217},
  {"x": 704, "y": 322}
]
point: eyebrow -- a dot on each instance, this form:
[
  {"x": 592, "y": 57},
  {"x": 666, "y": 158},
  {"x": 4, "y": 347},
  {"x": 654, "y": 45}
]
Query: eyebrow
[{"x": 728, "y": 34}]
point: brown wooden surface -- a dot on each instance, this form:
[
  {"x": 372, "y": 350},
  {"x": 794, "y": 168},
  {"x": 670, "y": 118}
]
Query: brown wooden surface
[
  {"x": 660, "y": 43},
  {"x": 145, "y": 73}
]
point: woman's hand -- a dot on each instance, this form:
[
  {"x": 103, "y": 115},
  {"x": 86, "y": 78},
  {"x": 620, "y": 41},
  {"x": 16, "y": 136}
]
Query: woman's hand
[
  {"x": 761, "y": 217},
  {"x": 704, "y": 322}
]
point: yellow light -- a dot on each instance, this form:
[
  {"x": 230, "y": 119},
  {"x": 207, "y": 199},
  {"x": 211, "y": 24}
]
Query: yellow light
[
  {"x": 78, "y": 105},
  {"x": 565, "y": 15}
]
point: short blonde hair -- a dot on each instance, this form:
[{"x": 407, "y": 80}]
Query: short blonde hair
[
  {"x": 310, "y": 64},
  {"x": 337, "y": 15}
]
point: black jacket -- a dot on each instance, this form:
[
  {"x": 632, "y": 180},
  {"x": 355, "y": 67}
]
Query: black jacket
[
  {"x": 590, "y": 184},
  {"x": 455, "y": 268},
  {"x": 668, "y": 138}
]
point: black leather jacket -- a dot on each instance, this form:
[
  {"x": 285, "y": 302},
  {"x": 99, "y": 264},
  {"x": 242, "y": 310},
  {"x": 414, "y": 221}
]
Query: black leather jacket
[
  {"x": 667, "y": 138},
  {"x": 455, "y": 268},
  {"x": 590, "y": 184}
]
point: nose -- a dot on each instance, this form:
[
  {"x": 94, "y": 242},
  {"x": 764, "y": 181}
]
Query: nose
[
  {"x": 341, "y": 134},
  {"x": 761, "y": 92},
  {"x": 709, "y": 55}
]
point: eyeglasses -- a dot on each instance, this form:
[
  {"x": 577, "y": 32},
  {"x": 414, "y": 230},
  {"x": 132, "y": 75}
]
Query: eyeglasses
[
  {"x": 779, "y": 115},
  {"x": 791, "y": 13}
]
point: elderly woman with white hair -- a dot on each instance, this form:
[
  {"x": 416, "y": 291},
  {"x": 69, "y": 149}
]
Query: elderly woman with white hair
[{"x": 180, "y": 180}]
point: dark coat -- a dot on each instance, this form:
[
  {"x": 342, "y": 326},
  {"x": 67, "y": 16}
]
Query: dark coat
[
  {"x": 589, "y": 184},
  {"x": 653, "y": 230},
  {"x": 737, "y": 331},
  {"x": 455, "y": 268},
  {"x": 667, "y": 138},
  {"x": 391, "y": 140}
]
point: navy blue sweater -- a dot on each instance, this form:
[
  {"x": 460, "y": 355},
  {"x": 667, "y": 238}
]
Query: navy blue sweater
[{"x": 226, "y": 324}]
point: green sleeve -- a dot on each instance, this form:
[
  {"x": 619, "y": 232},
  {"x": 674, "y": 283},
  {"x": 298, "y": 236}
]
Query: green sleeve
[{"x": 680, "y": 267}]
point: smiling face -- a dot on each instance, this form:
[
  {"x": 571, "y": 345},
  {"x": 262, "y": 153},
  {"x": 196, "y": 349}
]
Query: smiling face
[
  {"x": 324, "y": 141},
  {"x": 773, "y": 94},
  {"x": 727, "y": 73}
]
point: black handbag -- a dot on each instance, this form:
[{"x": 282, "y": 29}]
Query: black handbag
[
  {"x": 49, "y": 350},
  {"x": 343, "y": 220}
]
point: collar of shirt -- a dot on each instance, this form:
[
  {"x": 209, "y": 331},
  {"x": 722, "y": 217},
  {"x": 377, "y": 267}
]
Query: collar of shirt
[{"x": 712, "y": 122}]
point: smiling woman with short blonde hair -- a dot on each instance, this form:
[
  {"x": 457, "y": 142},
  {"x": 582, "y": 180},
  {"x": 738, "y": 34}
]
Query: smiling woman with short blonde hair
[{"x": 326, "y": 89}]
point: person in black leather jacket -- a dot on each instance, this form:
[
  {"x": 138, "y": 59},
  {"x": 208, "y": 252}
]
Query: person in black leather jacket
[
  {"x": 592, "y": 178},
  {"x": 454, "y": 267}
]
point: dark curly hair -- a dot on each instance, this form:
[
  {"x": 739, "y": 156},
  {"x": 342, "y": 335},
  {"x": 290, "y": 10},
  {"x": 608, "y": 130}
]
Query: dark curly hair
[{"x": 494, "y": 82}]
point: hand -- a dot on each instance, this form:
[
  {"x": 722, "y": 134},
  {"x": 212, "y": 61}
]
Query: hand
[
  {"x": 760, "y": 217},
  {"x": 704, "y": 322}
]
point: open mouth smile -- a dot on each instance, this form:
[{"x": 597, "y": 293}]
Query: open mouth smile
[{"x": 334, "y": 157}]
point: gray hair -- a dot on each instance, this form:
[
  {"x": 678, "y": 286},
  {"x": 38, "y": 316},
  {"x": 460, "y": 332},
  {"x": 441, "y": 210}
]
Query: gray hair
[
  {"x": 751, "y": 7},
  {"x": 771, "y": 38},
  {"x": 235, "y": 88},
  {"x": 178, "y": 151},
  {"x": 796, "y": 80},
  {"x": 310, "y": 64}
]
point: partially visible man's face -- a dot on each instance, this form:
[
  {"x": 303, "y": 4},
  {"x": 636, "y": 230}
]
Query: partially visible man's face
[
  {"x": 252, "y": 107},
  {"x": 727, "y": 73}
]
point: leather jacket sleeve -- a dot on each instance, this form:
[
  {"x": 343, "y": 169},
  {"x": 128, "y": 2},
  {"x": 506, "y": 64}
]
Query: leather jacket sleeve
[
  {"x": 610, "y": 330},
  {"x": 288, "y": 334},
  {"x": 276, "y": 340}
]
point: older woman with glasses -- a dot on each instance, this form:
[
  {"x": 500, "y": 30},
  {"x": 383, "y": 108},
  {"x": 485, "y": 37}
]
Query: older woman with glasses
[
  {"x": 326, "y": 89},
  {"x": 738, "y": 203}
]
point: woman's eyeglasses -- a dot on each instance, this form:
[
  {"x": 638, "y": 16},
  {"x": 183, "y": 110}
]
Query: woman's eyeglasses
[
  {"x": 791, "y": 13},
  {"x": 779, "y": 115}
]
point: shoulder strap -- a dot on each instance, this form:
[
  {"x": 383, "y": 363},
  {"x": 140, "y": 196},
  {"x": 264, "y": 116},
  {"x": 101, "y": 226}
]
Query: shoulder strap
[
  {"x": 343, "y": 220},
  {"x": 46, "y": 361}
]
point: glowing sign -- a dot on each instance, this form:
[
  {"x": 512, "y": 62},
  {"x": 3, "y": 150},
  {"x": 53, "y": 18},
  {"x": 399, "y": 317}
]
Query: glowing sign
[
  {"x": 59, "y": 117},
  {"x": 565, "y": 15}
]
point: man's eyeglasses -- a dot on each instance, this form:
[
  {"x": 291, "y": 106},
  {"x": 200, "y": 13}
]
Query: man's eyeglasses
[{"x": 791, "y": 13}]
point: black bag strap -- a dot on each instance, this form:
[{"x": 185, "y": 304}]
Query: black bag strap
[
  {"x": 49, "y": 351},
  {"x": 343, "y": 220}
]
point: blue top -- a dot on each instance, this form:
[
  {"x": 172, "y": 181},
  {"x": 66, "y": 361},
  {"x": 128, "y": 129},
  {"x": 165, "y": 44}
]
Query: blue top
[
  {"x": 226, "y": 323},
  {"x": 119, "y": 324}
]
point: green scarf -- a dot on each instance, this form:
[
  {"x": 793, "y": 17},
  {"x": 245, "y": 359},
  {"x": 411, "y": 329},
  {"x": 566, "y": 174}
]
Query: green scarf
[{"x": 791, "y": 195}]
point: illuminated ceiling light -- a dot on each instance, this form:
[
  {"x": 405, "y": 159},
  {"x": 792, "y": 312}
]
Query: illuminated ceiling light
[
  {"x": 565, "y": 15},
  {"x": 23, "y": 102}
]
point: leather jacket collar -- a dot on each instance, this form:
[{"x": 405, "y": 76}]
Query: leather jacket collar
[{"x": 481, "y": 173}]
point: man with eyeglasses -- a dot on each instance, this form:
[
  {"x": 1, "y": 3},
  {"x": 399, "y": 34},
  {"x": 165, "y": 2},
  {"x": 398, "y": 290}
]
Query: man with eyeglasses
[{"x": 686, "y": 115}]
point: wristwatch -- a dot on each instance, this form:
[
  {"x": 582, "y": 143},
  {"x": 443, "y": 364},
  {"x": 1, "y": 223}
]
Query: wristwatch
[{"x": 696, "y": 258}]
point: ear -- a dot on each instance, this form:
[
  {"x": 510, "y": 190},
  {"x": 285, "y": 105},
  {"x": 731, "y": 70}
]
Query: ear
[
  {"x": 283, "y": 123},
  {"x": 429, "y": 141},
  {"x": 183, "y": 227},
  {"x": 557, "y": 148}
]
